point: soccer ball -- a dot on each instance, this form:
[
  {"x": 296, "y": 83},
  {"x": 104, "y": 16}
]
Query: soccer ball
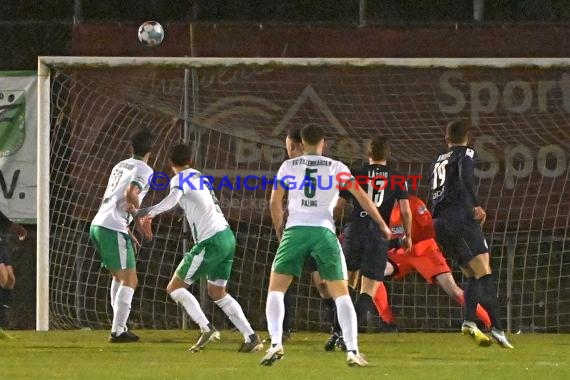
[{"x": 151, "y": 33}]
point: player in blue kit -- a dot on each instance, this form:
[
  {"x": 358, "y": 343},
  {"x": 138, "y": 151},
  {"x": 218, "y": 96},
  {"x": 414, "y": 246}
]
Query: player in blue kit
[
  {"x": 458, "y": 217},
  {"x": 365, "y": 248}
]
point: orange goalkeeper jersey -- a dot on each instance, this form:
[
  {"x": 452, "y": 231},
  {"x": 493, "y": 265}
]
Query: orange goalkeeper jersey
[{"x": 422, "y": 224}]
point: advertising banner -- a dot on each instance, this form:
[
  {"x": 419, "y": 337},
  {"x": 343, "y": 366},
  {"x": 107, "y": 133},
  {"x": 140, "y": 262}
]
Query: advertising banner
[{"x": 18, "y": 123}]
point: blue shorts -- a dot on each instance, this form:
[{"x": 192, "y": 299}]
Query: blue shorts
[
  {"x": 459, "y": 236},
  {"x": 365, "y": 249}
]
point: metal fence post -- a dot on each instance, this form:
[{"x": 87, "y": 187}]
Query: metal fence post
[{"x": 362, "y": 13}]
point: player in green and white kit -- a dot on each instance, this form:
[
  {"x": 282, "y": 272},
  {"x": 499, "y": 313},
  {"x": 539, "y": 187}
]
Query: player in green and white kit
[
  {"x": 313, "y": 182},
  {"x": 127, "y": 186},
  {"x": 212, "y": 254}
]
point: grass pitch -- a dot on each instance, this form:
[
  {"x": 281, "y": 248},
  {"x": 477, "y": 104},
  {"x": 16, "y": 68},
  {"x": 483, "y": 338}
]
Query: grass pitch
[{"x": 164, "y": 355}]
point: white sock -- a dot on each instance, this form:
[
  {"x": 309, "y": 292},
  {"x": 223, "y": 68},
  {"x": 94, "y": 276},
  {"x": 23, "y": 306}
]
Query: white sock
[
  {"x": 347, "y": 320},
  {"x": 235, "y": 313},
  {"x": 275, "y": 313},
  {"x": 113, "y": 291},
  {"x": 122, "y": 309},
  {"x": 192, "y": 307}
]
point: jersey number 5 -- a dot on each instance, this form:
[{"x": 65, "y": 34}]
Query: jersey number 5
[
  {"x": 439, "y": 174},
  {"x": 310, "y": 183}
]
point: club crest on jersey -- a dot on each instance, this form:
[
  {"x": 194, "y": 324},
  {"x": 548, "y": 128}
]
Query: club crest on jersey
[{"x": 470, "y": 152}]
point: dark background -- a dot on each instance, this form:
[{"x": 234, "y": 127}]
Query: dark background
[
  {"x": 31, "y": 28},
  {"x": 401, "y": 12}
]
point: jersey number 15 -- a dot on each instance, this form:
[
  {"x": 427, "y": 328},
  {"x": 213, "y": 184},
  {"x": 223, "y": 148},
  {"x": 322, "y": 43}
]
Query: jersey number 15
[{"x": 377, "y": 196}]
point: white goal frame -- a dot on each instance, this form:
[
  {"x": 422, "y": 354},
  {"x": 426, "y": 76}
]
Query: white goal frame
[{"x": 43, "y": 132}]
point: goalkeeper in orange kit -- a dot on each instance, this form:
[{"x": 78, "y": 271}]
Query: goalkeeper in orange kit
[{"x": 425, "y": 257}]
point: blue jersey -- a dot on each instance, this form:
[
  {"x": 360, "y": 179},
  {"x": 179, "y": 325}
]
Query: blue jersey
[
  {"x": 383, "y": 186},
  {"x": 452, "y": 181}
]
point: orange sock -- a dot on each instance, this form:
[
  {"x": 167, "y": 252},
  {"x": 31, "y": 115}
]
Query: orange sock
[
  {"x": 480, "y": 312},
  {"x": 483, "y": 316},
  {"x": 382, "y": 305}
]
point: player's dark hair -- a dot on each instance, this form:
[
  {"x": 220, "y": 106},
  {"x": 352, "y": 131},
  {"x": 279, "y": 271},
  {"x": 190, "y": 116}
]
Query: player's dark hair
[
  {"x": 312, "y": 134},
  {"x": 142, "y": 142},
  {"x": 181, "y": 155},
  {"x": 294, "y": 133},
  {"x": 379, "y": 148},
  {"x": 457, "y": 132}
]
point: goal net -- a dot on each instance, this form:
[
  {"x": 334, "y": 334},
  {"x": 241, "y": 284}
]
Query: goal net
[{"x": 235, "y": 114}]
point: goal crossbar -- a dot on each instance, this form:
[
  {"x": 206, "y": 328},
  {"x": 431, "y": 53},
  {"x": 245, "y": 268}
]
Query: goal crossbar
[{"x": 171, "y": 62}]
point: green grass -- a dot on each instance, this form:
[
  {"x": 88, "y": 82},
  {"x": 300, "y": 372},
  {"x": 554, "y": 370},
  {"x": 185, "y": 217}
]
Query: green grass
[{"x": 164, "y": 355}]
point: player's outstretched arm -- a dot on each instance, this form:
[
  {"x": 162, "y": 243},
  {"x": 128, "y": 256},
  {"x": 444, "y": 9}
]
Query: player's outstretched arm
[
  {"x": 276, "y": 209},
  {"x": 168, "y": 203},
  {"x": 406, "y": 215},
  {"x": 143, "y": 217},
  {"x": 368, "y": 206}
]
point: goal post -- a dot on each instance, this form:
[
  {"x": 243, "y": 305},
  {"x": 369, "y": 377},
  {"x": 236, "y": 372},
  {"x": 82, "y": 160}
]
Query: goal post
[
  {"x": 88, "y": 106},
  {"x": 42, "y": 249}
]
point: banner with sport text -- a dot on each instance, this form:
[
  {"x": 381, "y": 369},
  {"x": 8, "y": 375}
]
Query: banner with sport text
[{"x": 18, "y": 123}]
